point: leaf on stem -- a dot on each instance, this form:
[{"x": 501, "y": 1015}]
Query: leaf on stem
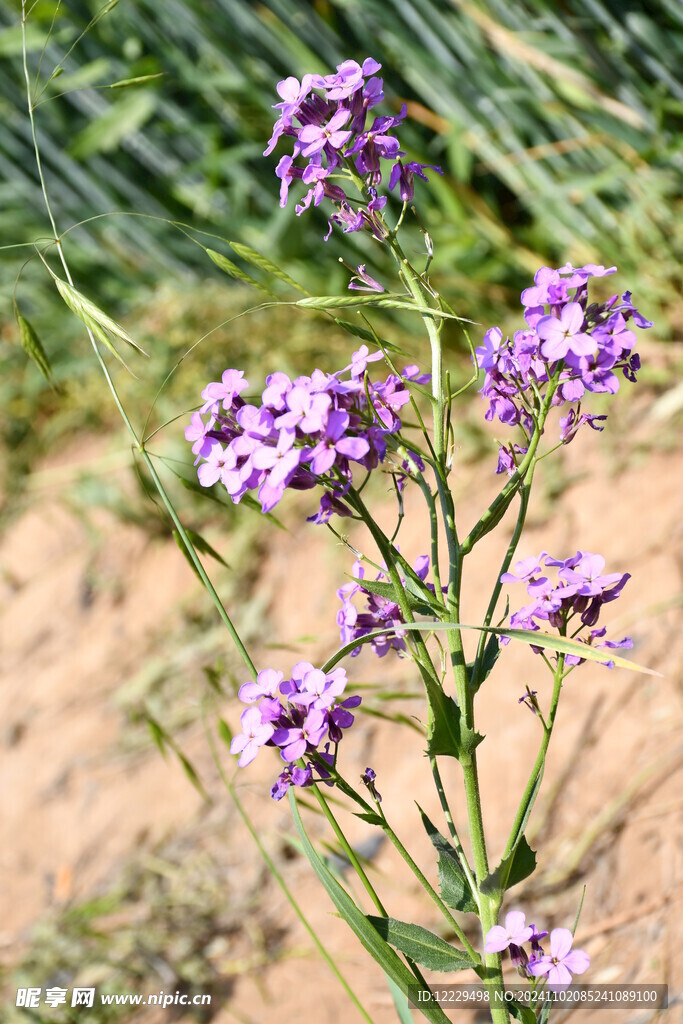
[
  {"x": 448, "y": 734},
  {"x": 369, "y": 937},
  {"x": 420, "y": 945},
  {"x": 454, "y": 888},
  {"x": 514, "y": 868}
]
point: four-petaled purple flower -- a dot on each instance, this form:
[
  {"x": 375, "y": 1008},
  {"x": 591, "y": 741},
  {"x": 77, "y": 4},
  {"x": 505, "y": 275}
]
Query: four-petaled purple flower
[
  {"x": 562, "y": 961},
  {"x": 515, "y": 931}
]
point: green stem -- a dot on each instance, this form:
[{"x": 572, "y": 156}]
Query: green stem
[
  {"x": 349, "y": 851},
  {"x": 469, "y": 948},
  {"x": 531, "y": 790},
  {"x": 281, "y": 882}
]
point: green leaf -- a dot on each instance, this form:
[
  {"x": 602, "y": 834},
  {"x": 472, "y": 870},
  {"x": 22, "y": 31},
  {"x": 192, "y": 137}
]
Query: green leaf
[
  {"x": 560, "y": 644},
  {"x": 453, "y": 885},
  {"x": 192, "y": 775},
  {"x": 490, "y": 657},
  {"x": 203, "y": 545},
  {"x": 514, "y": 868},
  {"x": 158, "y": 734},
  {"x": 365, "y": 335},
  {"x": 369, "y": 937},
  {"x": 421, "y": 945},
  {"x": 387, "y": 590},
  {"x": 33, "y": 347},
  {"x": 256, "y": 259},
  {"x": 448, "y": 735},
  {"x": 524, "y": 1014},
  {"x": 228, "y": 267},
  {"x": 370, "y": 816}
]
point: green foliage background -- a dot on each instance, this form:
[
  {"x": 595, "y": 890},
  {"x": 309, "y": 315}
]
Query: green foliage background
[{"x": 555, "y": 123}]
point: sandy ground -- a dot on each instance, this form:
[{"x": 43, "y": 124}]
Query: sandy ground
[{"x": 77, "y": 805}]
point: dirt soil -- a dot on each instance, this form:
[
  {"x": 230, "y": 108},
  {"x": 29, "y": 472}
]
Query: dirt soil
[{"x": 77, "y": 805}]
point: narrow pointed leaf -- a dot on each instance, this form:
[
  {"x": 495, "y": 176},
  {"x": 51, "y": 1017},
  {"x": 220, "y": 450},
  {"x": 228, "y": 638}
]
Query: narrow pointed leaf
[
  {"x": 421, "y": 945},
  {"x": 369, "y": 937},
  {"x": 560, "y": 644},
  {"x": 454, "y": 888}
]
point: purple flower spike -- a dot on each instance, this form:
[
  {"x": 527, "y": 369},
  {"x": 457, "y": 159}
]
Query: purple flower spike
[
  {"x": 515, "y": 931},
  {"x": 569, "y": 344},
  {"x": 562, "y": 961}
]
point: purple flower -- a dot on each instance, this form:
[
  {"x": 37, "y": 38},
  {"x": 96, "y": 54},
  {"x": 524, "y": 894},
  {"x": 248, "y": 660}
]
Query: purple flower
[
  {"x": 562, "y": 961},
  {"x": 315, "y": 136},
  {"x": 254, "y": 734},
  {"x": 232, "y": 382},
  {"x": 196, "y": 432},
  {"x": 266, "y": 685},
  {"x": 217, "y": 466},
  {"x": 368, "y": 779},
  {"x": 564, "y": 334},
  {"x": 367, "y": 283},
  {"x": 403, "y": 175},
  {"x": 294, "y": 741},
  {"x": 335, "y": 443},
  {"x": 515, "y": 931}
]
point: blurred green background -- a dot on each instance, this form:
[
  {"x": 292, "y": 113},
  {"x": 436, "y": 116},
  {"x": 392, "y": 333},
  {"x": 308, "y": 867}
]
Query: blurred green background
[{"x": 555, "y": 123}]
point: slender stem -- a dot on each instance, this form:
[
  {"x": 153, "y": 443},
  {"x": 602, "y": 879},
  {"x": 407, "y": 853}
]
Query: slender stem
[
  {"x": 429, "y": 889},
  {"x": 349, "y": 851},
  {"x": 196, "y": 561},
  {"x": 112, "y": 387},
  {"x": 280, "y": 880},
  {"x": 531, "y": 790},
  {"x": 464, "y": 863}
]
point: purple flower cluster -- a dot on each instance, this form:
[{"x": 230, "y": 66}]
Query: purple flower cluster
[
  {"x": 297, "y": 715},
  {"x": 581, "y": 588},
  {"x": 575, "y": 346},
  {"x": 558, "y": 965},
  {"x": 305, "y": 431},
  {"x": 332, "y": 133},
  {"x": 380, "y": 612}
]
